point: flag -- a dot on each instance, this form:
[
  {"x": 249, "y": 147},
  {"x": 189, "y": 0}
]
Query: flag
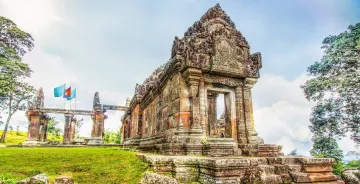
[
  {"x": 67, "y": 93},
  {"x": 59, "y": 91},
  {"x": 73, "y": 95}
]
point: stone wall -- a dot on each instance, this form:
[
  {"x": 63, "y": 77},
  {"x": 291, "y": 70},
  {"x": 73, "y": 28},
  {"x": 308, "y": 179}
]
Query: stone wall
[{"x": 284, "y": 169}]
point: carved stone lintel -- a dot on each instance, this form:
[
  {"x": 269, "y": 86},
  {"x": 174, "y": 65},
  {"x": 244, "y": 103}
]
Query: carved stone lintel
[{"x": 229, "y": 81}]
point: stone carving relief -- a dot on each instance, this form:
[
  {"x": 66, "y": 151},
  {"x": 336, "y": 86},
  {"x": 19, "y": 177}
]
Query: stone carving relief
[
  {"x": 214, "y": 44},
  {"x": 222, "y": 80},
  {"x": 254, "y": 65}
]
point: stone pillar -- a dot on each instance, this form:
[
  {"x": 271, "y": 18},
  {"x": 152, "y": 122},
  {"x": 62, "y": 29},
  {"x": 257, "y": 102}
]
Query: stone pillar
[
  {"x": 44, "y": 129},
  {"x": 67, "y": 129},
  {"x": 212, "y": 112},
  {"x": 33, "y": 129},
  {"x": 192, "y": 77},
  {"x": 240, "y": 115},
  {"x": 202, "y": 98},
  {"x": 98, "y": 127},
  {"x": 72, "y": 129},
  {"x": 249, "y": 116}
]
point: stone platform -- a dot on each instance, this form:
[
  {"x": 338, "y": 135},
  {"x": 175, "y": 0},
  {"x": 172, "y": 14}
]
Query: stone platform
[{"x": 239, "y": 169}]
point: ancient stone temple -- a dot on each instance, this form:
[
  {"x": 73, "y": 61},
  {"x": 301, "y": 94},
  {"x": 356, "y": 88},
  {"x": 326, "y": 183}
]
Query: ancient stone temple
[
  {"x": 174, "y": 112},
  {"x": 175, "y": 108}
]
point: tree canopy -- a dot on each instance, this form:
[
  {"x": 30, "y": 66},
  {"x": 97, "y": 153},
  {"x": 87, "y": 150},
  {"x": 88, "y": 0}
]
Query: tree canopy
[
  {"x": 335, "y": 86},
  {"x": 14, "y": 91},
  {"x": 14, "y": 43}
]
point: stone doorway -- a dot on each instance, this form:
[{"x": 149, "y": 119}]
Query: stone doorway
[{"x": 220, "y": 113}]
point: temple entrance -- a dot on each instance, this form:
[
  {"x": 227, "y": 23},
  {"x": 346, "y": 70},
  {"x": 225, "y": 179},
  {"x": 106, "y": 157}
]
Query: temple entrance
[{"x": 221, "y": 114}]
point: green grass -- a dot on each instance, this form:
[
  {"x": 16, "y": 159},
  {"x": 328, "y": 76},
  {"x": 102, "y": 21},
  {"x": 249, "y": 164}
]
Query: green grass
[
  {"x": 13, "y": 138},
  {"x": 85, "y": 165}
]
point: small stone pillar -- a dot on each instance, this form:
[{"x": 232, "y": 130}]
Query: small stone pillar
[
  {"x": 72, "y": 129},
  {"x": 212, "y": 113},
  {"x": 98, "y": 127},
  {"x": 249, "y": 116},
  {"x": 44, "y": 129},
  {"x": 240, "y": 115},
  {"x": 33, "y": 129},
  {"x": 67, "y": 128}
]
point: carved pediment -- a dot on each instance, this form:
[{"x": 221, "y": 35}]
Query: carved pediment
[{"x": 214, "y": 44}]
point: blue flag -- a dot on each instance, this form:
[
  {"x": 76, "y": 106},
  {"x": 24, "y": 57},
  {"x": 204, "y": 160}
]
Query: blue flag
[
  {"x": 59, "y": 91},
  {"x": 73, "y": 95}
]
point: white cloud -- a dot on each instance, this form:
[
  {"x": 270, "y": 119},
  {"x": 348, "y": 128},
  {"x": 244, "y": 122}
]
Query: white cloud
[
  {"x": 33, "y": 16},
  {"x": 282, "y": 114}
]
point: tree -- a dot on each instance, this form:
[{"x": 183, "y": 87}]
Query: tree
[
  {"x": 14, "y": 92},
  {"x": 336, "y": 87},
  {"x": 293, "y": 153},
  {"x": 327, "y": 147},
  {"x": 14, "y": 43},
  {"x": 18, "y": 100},
  {"x": 111, "y": 137},
  {"x": 52, "y": 127}
]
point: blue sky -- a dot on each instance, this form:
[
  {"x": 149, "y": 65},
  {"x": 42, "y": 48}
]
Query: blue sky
[{"x": 109, "y": 46}]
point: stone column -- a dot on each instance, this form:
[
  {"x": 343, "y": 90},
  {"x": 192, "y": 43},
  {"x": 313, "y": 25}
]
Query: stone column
[
  {"x": 192, "y": 77},
  {"x": 72, "y": 129},
  {"x": 67, "y": 129},
  {"x": 33, "y": 129},
  {"x": 44, "y": 129},
  {"x": 202, "y": 98},
  {"x": 212, "y": 112},
  {"x": 240, "y": 115},
  {"x": 98, "y": 127},
  {"x": 249, "y": 116}
]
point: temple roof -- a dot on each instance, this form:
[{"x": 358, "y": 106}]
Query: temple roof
[
  {"x": 217, "y": 12},
  {"x": 214, "y": 31}
]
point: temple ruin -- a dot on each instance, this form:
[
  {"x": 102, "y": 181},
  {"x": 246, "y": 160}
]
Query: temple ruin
[{"x": 174, "y": 112}]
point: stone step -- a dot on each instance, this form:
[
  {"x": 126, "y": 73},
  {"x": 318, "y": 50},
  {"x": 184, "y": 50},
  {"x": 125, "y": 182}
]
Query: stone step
[
  {"x": 294, "y": 168},
  {"x": 272, "y": 179},
  {"x": 288, "y": 160},
  {"x": 300, "y": 177},
  {"x": 267, "y": 169}
]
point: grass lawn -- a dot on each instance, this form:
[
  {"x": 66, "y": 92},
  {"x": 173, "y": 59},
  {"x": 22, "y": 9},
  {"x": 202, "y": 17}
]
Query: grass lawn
[
  {"x": 12, "y": 137},
  {"x": 85, "y": 165}
]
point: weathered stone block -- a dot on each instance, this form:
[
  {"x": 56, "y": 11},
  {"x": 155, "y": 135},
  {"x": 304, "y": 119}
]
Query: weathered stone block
[{"x": 153, "y": 178}]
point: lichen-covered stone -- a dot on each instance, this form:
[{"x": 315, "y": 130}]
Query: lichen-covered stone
[
  {"x": 154, "y": 178},
  {"x": 38, "y": 179},
  {"x": 351, "y": 176},
  {"x": 235, "y": 169}
]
